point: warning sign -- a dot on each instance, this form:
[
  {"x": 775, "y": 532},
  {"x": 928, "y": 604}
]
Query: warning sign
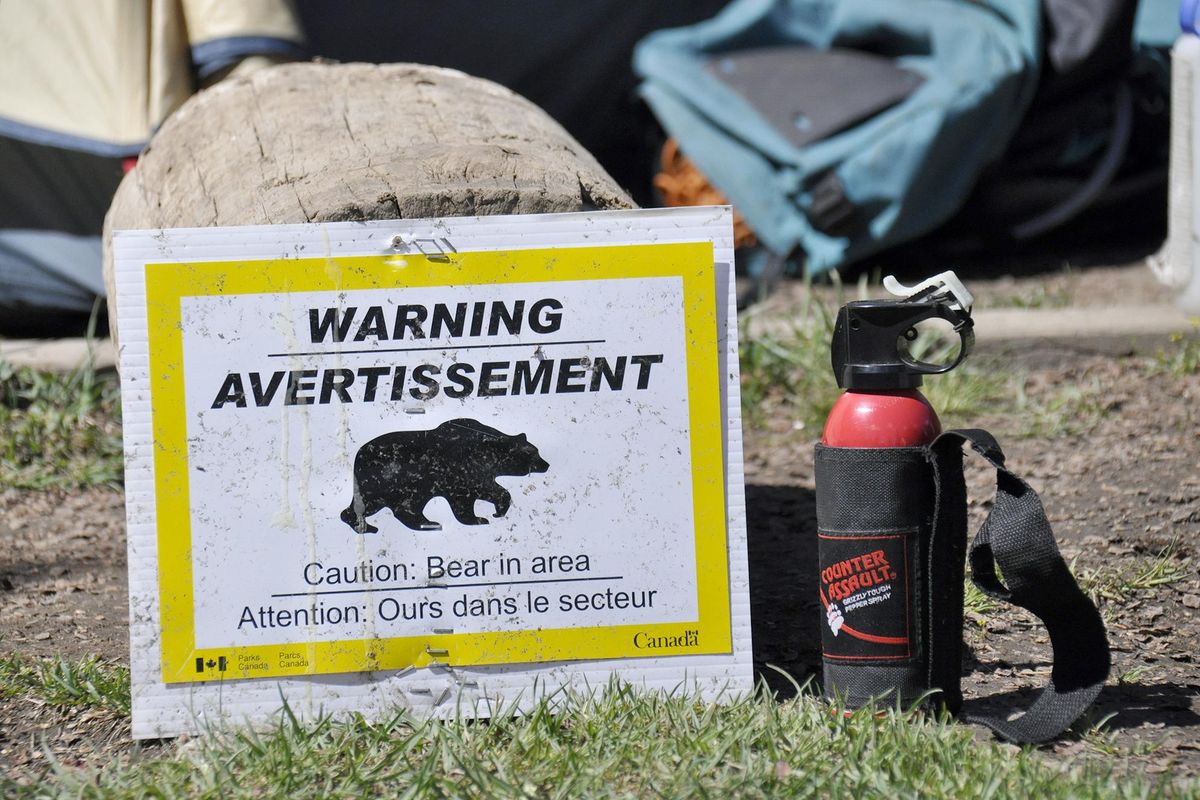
[{"x": 388, "y": 456}]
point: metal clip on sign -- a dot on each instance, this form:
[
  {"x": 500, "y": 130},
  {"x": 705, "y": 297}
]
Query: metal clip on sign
[{"x": 892, "y": 523}]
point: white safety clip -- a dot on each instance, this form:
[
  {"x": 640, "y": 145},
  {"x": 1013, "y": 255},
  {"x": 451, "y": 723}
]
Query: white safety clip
[{"x": 945, "y": 284}]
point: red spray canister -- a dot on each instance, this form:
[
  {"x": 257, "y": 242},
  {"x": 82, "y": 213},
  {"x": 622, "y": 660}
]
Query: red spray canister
[
  {"x": 892, "y": 532},
  {"x": 875, "y": 499},
  {"x": 881, "y": 406}
]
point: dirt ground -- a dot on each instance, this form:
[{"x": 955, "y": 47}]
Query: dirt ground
[{"x": 1121, "y": 488}]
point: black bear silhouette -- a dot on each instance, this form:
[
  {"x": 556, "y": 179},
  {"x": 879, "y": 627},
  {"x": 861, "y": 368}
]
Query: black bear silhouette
[{"x": 458, "y": 460}]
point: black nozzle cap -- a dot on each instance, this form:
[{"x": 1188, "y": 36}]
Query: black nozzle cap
[{"x": 866, "y": 355}]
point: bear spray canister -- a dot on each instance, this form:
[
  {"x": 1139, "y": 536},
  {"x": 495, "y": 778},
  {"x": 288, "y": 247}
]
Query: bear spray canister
[
  {"x": 881, "y": 406},
  {"x": 892, "y": 532},
  {"x": 881, "y": 611}
]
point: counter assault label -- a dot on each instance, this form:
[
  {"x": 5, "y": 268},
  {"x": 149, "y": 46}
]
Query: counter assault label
[
  {"x": 382, "y": 462},
  {"x": 864, "y": 589}
]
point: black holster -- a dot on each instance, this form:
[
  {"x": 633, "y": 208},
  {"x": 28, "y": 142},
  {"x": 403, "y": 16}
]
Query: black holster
[{"x": 892, "y": 545}]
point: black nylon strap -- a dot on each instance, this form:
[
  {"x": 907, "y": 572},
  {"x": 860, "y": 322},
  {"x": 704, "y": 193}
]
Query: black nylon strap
[{"x": 1016, "y": 536}]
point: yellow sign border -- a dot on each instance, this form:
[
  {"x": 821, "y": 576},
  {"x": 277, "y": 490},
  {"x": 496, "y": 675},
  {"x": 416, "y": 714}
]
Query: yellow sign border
[{"x": 167, "y": 283}]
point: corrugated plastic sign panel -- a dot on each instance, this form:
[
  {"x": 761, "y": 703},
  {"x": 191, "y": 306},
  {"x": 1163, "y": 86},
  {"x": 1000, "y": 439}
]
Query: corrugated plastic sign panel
[{"x": 438, "y": 464}]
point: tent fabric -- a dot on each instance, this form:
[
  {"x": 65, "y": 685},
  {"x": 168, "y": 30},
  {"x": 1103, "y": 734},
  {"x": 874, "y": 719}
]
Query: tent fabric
[
  {"x": 904, "y": 170},
  {"x": 102, "y": 75},
  {"x": 55, "y": 188},
  {"x": 50, "y": 270},
  {"x": 83, "y": 85}
]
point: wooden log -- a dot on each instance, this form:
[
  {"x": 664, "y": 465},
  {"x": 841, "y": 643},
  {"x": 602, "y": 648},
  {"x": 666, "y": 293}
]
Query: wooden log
[{"x": 332, "y": 142}]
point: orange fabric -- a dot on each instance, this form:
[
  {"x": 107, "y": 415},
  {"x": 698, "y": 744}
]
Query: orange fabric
[{"x": 682, "y": 184}]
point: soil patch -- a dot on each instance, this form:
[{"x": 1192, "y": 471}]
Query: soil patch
[{"x": 63, "y": 580}]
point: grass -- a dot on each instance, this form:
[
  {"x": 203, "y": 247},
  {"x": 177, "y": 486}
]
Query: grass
[
  {"x": 1068, "y": 410},
  {"x": 963, "y": 393},
  {"x": 1104, "y": 740},
  {"x": 1118, "y": 583},
  {"x": 1133, "y": 675},
  {"x": 1038, "y": 296},
  {"x": 59, "y": 429},
  {"x": 1182, "y": 357},
  {"x": 789, "y": 372},
  {"x": 623, "y": 743},
  {"x": 976, "y": 604},
  {"x": 85, "y": 682}
]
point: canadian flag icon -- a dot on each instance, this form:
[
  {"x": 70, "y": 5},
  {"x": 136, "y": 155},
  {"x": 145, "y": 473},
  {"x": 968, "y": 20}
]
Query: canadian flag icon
[{"x": 210, "y": 664}]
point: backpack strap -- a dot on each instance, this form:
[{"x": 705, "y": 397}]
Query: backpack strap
[{"x": 1016, "y": 537}]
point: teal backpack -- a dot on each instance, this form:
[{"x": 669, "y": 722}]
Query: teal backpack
[{"x": 842, "y": 128}]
